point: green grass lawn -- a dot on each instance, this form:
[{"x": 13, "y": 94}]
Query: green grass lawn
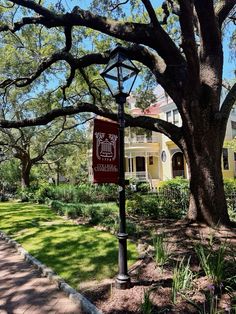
[{"x": 77, "y": 253}]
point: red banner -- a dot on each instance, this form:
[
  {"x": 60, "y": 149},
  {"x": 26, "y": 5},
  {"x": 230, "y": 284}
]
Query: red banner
[{"x": 105, "y": 152}]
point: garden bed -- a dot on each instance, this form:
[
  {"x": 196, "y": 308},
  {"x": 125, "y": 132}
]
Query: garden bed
[{"x": 152, "y": 288}]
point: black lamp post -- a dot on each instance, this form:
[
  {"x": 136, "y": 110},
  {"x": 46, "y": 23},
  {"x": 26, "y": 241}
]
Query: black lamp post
[{"x": 120, "y": 75}]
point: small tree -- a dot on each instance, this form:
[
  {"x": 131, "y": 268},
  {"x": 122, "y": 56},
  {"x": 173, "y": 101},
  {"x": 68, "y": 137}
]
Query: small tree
[{"x": 30, "y": 145}]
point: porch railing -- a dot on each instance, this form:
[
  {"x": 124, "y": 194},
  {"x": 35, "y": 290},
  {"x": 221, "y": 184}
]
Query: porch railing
[
  {"x": 141, "y": 139},
  {"x": 138, "y": 175},
  {"x": 178, "y": 173}
]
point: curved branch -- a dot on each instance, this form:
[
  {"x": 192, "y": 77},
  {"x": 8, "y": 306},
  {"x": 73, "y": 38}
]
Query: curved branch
[
  {"x": 186, "y": 18},
  {"x": 137, "y": 52},
  {"x": 210, "y": 33},
  {"x": 57, "y": 56},
  {"x": 224, "y": 9},
  {"x": 68, "y": 35},
  {"x": 37, "y": 8},
  {"x": 68, "y": 82},
  {"x": 151, "y": 12},
  {"x": 153, "y": 124},
  {"x": 146, "y": 34},
  {"x": 228, "y": 103},
  {"x": 157, "y": 125},
  {"x": 48, "y": 144}
]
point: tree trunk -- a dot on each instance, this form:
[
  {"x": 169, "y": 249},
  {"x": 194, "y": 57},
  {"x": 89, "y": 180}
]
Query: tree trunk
[
  {"x": 25, "y": 173},
  {"x": 207, "y": 198}
]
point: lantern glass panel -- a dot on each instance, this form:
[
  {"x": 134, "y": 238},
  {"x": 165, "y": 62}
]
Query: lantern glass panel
[
  {"x": 127, "y": 78},
  {"x": 120, "y": 74}
]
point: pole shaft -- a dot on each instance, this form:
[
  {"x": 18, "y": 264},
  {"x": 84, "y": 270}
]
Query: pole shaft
[{"x": 123, "y": 280}]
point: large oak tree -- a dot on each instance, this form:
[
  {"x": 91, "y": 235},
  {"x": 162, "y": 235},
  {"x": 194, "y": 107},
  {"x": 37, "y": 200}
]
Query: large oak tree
[{"x": 188, "y": 68}]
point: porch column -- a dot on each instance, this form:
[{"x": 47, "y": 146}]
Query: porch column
[
  {"x": 130, "y": 164},
  {"x": 146, "y": 167}
]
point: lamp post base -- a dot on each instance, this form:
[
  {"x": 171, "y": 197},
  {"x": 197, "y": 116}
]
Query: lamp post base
[{"x": 123, "y": 282}]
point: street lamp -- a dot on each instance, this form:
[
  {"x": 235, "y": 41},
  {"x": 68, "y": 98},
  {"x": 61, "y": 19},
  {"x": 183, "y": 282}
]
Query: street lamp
[{"x": 120, "y": 75}]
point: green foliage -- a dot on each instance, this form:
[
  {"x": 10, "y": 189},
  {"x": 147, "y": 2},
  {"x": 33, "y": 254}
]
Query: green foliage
[
  {"x": 10, "y": 175},
  {"x": 161, "y": 250},
  {"x": 212, "y": 262},
  {"x": 174, "y": 197},
  {"x": 229, "y": 186},
  {"x": 95, "y": 214},
  {"x": 143, "y": 205},
  {"x": 85, "y": 193},
  {"x": 171, "y": 201},
  {"x": 156, "y": 205},
  {"x": 3, "y": 197},
  {"x": 143, "y": 187},
  {"x": 230, "y": 194},
  {"x": 43, "y": 193},
  {"x": 26, "y": 194},
  {"x": 67, "y": 209},
  {"x": 182, "y": 278}
]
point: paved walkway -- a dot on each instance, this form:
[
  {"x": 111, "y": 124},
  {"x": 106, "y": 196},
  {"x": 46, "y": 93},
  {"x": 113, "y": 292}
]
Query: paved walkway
[{"x": 23, "y": 291}]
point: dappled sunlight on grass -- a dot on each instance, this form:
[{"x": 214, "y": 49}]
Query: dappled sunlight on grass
[{"x": 76, "y": 252}]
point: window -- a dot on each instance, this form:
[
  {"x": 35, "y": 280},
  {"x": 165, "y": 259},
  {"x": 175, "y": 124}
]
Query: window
[
  {"x": 175, "y": 117},
  {"x": 233, "y": 125},
  {"x": 225, "y": 159},
  {"x": 168, "y": 116},
  {"x": 150, "y": 160}
]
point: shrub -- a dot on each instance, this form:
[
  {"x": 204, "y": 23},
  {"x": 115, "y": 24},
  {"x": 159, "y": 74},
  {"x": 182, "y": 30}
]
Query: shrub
[
  {"x": 174, "y": 197},
  {"x": 73, "y": 210},
  {"x": 230, "y": 193},
  {"x": 143, "y": 187},
  {"x": 131, "y": 228},
  {"x": 3, "y": 197},
  {"x": 92, "y": 213},
  {"x": 154, "y": 205},
  {"x": 26, "y": 194},
  {"x": 43, "y": 192},
  {"x": 57, "y": 206},
  {"x": 84, "y": 193}
]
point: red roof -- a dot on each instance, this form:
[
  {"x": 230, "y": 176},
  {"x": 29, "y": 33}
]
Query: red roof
[{"x": 151, "y": 110}]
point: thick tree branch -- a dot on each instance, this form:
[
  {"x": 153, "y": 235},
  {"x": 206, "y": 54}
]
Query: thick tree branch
[
  {"x": 209, "y": 31},
  {"x": 223, "y": 10},
  {"x": 57, "y": 56},
  {"x": 157, "y": 125},
  {"x": 154, "y": 37},
  {"x": 186, "y": 18},
  {"x": 37, "y": 8},
  {"x": 151, "y": 12},
  {"x": 68, "y": 35},
  {"x": 228, "y": 103},
  {"x": 139, "y": 53}
]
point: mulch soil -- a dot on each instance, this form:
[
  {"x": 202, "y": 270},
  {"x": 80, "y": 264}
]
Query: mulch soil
[{"x": 147, "y": 278}]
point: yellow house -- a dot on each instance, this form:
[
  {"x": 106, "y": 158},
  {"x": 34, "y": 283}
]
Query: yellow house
[{"x": 154, "y": 157}]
